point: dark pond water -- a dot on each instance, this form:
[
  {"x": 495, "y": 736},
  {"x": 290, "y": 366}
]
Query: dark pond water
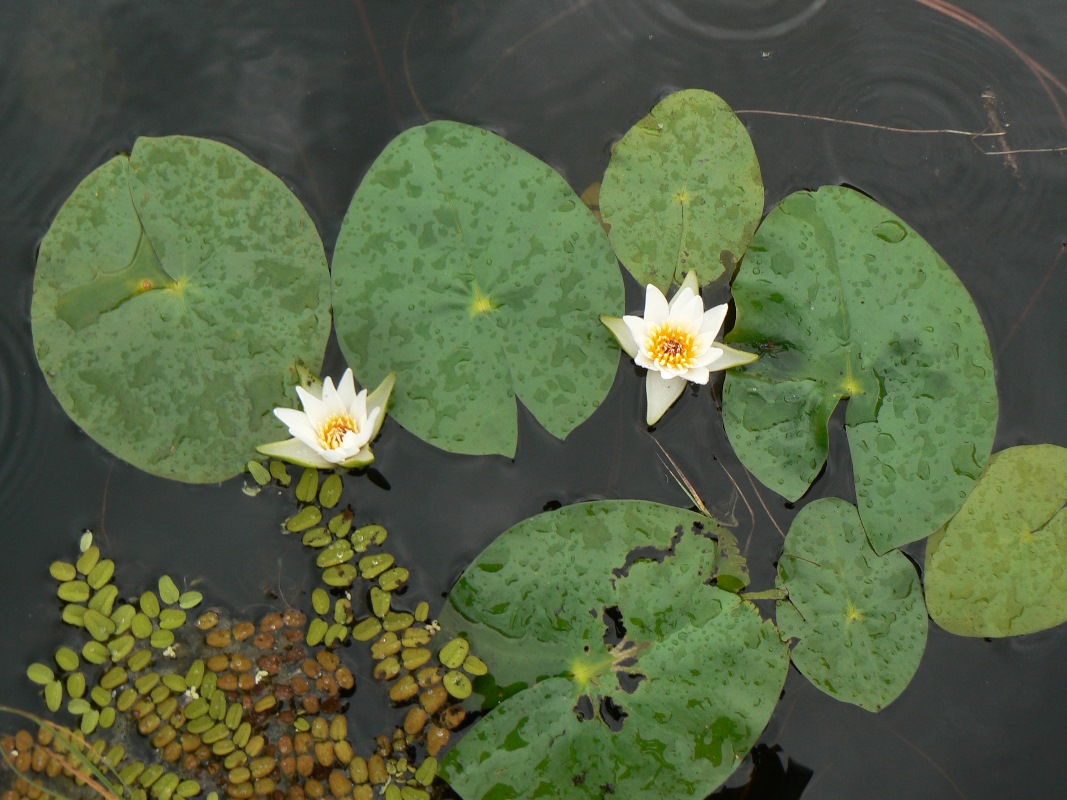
[{"x": 314, "y": 90}]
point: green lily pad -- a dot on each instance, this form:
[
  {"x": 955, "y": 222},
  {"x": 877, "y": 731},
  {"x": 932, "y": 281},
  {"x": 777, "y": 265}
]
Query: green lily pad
[
  {"x": 624, "y": 666},
  {"x": 859, "y": 617},
  {"x": 174, "y": 291},
  {"x": 474, "y": 272},
  {"x": 683, "y": 191},
  {"x": 999, "y": 568},
  {"x": 843, "y": 300}
]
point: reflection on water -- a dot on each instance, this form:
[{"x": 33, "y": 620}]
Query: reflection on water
[{"x": 313, "y": 91}]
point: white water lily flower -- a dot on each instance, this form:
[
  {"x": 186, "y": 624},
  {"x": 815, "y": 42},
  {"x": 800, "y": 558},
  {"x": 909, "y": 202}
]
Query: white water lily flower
[
  {"x": 676, "y": 343},
  {"x": 335, "y": 428}
]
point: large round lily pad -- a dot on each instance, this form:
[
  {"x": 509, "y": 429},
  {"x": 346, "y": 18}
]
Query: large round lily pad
[
  {"x": 472, "y": 270},
  {"x": 683, "y": 191},
  {"x": 843, "y": 300},
  {"x": 174, "y": 291},
  {"x": 633, "y": 673},
  {"x": 859, "y": 618},
  {"x": 999, "y": 568}
]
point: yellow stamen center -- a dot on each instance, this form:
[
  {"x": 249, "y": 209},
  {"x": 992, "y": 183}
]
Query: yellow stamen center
[
  {"x": 333, "y": 431},
  {"x": 672, "y": 347}
]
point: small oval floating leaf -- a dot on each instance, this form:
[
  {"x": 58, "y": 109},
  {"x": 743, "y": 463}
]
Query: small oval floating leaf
[
  {"x": 183, "y": 276},
  {"x": 999, "y": 568},
  {"x": 583, "y": 602},
  {"x": 843, "y": 300},
  {"x": 859, "y": 617},
  {"x": 474, "y": 271},
  {"x": 683, "y": 191}
]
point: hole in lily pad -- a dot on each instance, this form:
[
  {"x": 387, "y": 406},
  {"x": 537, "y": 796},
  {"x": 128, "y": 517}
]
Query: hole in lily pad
[
  {"x": 583, "y": 709},
  {"x": 614, "y": 628},
  {"x": 612, "y": 714}
]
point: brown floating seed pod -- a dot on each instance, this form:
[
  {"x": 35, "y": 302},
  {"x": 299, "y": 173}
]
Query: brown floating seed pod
[
  {"x": 433, "y": 699},
  {"x": 288, "y": 766},
  {"x": 324, "y": 753},
  {"x": 415, "y": 720},
  {"x": 305, "y": 765},
  {"x": 242, "y": 630},
  {"x": 376, "y": 772},
  {"x": 219, "y": 637},
  {"x": 436, "y": 738},
  {"x": 453, "y": 717}
]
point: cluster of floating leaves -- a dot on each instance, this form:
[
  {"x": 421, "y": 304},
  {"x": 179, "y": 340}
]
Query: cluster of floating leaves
[{"x": 238, "y": 709}]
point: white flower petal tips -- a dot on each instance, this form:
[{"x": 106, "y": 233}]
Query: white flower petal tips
[
  {"x": 675, "y": 342},
  {"x": 335, "y": 429}
]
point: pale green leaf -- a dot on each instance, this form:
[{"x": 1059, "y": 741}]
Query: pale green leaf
[{"x": 999, "y": 568}]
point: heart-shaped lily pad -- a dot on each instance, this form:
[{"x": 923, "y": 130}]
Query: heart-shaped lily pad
[
  {"x": 174, "y": 291},
  {"x": 683, "y": 191},
  {"x": 843, "y": 300},
  {"x": 859, "y": 617},
  {"x": 999, "y": 568},
  {"x": 472, "y": 270},
  {"x": 633, "y": 674}
]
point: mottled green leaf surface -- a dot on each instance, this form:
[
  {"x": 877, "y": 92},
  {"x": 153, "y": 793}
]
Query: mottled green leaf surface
[
  {"x": 999, "y": 568},
  {"x": 683, "y": 191},
  {"x": 173, "y": 293},
  {"x": 858, "y": 617},
  {"x": 843, "y": 300},
  {"x": 535, "y": 606},
  {"x": 473, "y": 270}
]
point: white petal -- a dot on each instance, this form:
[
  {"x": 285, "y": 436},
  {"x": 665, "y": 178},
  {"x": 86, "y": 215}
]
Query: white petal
[
  {"x": 313, "y": 406},
  {"x": 713, "y": 319},
  {"x": 638, "y": 328},
  {"x": 295, "y": 452},
  {"x": 358, "y": 407},
  {"x": 698, "y": 375},
  {"x": 691, "y": 283},
  {"x": 731, "y": 358},
  {"x": 656, "y": 308},
  {"x": 688, "y": 312},
  {"x": 346, "y": 388},
  {"x": 622, "y": 332},
  {"x": 643, "y": 360},
  {"x": 681, "y": 297},
  {"x": 660, "y": 395},
  {"x": 331, "y": 399},
  {"x": 706, "y": 357},
  {"x": 292, "y": 418},
  {"x": 377, "y": 403}
]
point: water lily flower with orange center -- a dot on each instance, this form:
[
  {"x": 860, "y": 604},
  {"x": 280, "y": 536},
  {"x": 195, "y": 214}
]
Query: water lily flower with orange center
[
  {"x": 676, "y": 343},
  {"x": 335, "y": 428}
]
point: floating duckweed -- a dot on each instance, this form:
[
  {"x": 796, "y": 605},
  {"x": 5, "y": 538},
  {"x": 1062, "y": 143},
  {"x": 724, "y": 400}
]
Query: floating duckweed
[
  {"x": 397, "y": 621},
  {"x": 303, "y": 519},
  {"x": 280, "y": 473},
  {"x": 207, "y": 620},
  {"x": 475, "y": 666},
  {"x": 78, "y": 706},
  {"x": 85, "y": 541},
  {"x": 364, "y": 537},
  {"x": 331, "y": 491},
  {"x": 89, "y": 721},
  {"x": 74, "y": 614},
  {"x": 99, "y": 626},
  {"x": 171, "y": 618},
  {"x": 457, "y": 684},
  {"x": 87, "y": 560},
  {"x": 233, "y": 715},
  {"x": 335, "y": 634},
  {"x": 427, "y": 771},
  {"x": 76, "y": 685},
  {"x": 301, "y": 724},
  {"x": 62, "y": 571},
  {"x": 139, "y": 660},
  {"x": 316, "y": 537},
  {"x": 387, "y": 669},
  {"x": 175, "y": 682},
  {"x": 53, "y": 696},
  {"x": 317, "y": 631},
  {"x": 374, "y": 565},
  {"x": 168, "y": 590},
  {"x": 339, "y": 576},
  {"x": 308, "y": 485},
  {"x": 320, "y": 601},
  {"x": 149, "y": 604},
  {"x": 190, "y": 599},
  {"x": 101, "y": 696},
  {"x": 161, "y": 639},
  {"x": 259, "y": 474},
  {"x": 67, "y": 659},
  {"x": 393, "y": 579},
  {"x": 104, "y": 599},
  {"x": 141, "y": 625},
  {"x": 379, "y": 601},
  {"x": 340, "y": 524},
  {"x": 453, "y": 654},
  {"x": 413, "y": 793},
  {"x": 41, "y": 674},
  {"x": 392, "y": 792},
  {"x": 100, "y": 574},
  {"x": 337, "y": 553},
  {"x": 414, "y": 637},
  {"x": 95, "y": 653},
  {"x": 123, "y": 617},
  {"x": 415, "y": 657},
  {"x": 73, "y": 591},
  {"x": 388, "y": 645},
  {"x": 366, "y": 630}
]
